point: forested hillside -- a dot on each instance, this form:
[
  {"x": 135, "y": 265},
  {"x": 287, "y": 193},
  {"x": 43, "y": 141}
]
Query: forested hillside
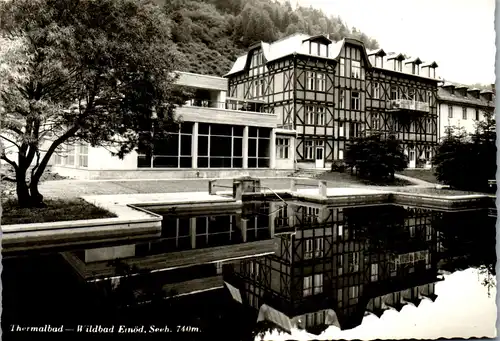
[{"x": 210, "y": 34}]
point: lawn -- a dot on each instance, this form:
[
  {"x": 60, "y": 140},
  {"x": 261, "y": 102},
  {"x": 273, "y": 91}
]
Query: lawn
[
  {"x": 347, "y": 179},
  {"x": 422, "y": 174},
  {"x": 56, "y": 210}
]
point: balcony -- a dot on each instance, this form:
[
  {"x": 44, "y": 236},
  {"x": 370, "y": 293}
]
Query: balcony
[
  {"x": 231, "y": 111},
  {"x": 229, "y": 104},
  {"x": 408, "y": 104}
]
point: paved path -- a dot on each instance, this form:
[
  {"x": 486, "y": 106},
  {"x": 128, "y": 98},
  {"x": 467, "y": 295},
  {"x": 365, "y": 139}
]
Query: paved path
[{"x": 79, "y": 188}]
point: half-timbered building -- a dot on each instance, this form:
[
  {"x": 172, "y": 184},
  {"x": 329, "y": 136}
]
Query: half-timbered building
[{"x": 323, "y": 93}]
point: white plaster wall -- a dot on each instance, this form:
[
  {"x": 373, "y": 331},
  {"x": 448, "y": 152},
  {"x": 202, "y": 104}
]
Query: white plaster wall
[
  {"x": 457, "y": 120},
  {"x": 100, "y": 158},
  {"x": 109, "y": 253}
]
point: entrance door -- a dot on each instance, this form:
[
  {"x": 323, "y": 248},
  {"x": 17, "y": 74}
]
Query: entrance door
[
  {"x": 320, "y": 154},
  {"x": 412, "y": 158}
]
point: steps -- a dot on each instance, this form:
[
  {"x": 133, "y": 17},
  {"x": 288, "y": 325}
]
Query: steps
[{"x": 309, "y": 172}]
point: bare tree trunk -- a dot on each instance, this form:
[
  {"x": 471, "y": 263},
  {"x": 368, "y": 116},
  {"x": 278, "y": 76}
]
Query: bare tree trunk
[
  {"x": 36, "y": 197},
  {"x": 23, "y": 193}
]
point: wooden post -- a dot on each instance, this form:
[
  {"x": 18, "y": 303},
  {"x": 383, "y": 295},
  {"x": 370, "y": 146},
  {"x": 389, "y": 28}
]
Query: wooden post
[
  {"x": 323, "y": 188},
  {"x": 238, "y": 191},
  {"x": 211, "y": 185},
  {"x": 293, "y": 185},
  {"x": 244, "y": 227},
  {"x": 192, "y": 232}
]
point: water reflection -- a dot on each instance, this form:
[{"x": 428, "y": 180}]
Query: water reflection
[{"x": 273, "y": 265}]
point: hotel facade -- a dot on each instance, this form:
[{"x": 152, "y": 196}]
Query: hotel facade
[{"x": 284, "y": 106}]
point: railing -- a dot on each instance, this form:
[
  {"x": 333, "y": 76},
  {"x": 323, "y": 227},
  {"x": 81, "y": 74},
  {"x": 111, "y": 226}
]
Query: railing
[
  {"x": 409, "y": 104},
  {"x": 288, "y": 126},
  {"x": 229, "y": 104}
]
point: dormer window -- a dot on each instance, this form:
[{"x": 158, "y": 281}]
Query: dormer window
[
  {"x": 415, "y": 69},
  {"x": 379, "y": 61},
  {"x": 398, "y": 65},
  {"x": 318, "y": 48}
]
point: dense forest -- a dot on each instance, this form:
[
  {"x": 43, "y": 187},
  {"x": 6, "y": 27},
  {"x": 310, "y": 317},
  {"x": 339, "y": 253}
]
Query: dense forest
[{"x": 210, "y": 34}]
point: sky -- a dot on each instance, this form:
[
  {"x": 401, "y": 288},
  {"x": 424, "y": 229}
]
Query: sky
[
  {"x": 458, "y": 34},
  {"x": 463, "y": 309}
]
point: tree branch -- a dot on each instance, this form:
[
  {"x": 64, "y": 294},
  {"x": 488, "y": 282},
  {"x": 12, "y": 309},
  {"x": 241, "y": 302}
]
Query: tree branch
[
  {"x": 9, "y": 161},
  {"x": 9, "y": 140},
  {"x": 41, "y": 168}
]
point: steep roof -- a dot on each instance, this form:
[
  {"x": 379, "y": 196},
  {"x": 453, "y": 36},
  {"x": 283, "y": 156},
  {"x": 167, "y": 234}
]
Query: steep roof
[
  {"x": 444, "y": 94},
  {"x": 294, "y": 44}
]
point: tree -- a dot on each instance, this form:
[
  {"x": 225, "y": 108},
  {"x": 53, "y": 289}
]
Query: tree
[
  {"x": 375, "y": 157},
  {"x": 99, "y": 72},
  {"x": 468, "y": 161}
]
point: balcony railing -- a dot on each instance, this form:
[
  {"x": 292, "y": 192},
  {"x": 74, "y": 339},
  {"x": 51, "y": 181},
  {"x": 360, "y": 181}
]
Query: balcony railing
[
  {"x": 409, "y": 104},
  {"x": 229, "y": 104},
  {"x": 288, "y": 126}
]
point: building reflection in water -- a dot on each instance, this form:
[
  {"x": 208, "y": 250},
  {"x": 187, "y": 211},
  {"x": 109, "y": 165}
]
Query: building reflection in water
[
  {"x": 332, "y": 266},
  {"x": 294, "y": 264}
]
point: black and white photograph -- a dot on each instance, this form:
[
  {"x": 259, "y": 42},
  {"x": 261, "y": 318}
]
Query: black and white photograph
[{"x": 248, "y": 170}]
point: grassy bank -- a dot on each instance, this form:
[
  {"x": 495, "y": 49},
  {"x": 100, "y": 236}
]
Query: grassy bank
[
  {"x": 421, "y": 174},
  {"x": 56, "y": 210}
]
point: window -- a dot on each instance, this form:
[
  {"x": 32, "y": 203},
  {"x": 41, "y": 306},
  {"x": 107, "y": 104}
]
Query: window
[
  {"x": 313, "y": 46},
  {"x": 318, "y": 283},
  {"x": 313, "y": 285},
  {"x": 342, "y": 99},
  {"x": 259, "y": 88},
  {"x": 374, "y": 273},
  {"x": 353, "y": 294},
  {"x": 308, "y": 150},
  {"x": 310, "y": 113},
  {"x": 353, "y": 261},
  {"x": 313, "y": 247},
  {"x": 323, "y": 50},
  {"x": 341, "y": 129},
  {"x": 428, "y": 153},
  {"x": 258, "y": 147},
  {"x": 429, "y": 97},
  {"x": 316, "y": 81},
  {"x": 432, "y": 72},
  {"x": 341, "y": 154},
  {"x": 355, "y": 69},
  {"x": 394, "y": 93},
  {"x": 282, "y": 148},
  {"x": 450, "y": 111},
  {"x": 321, "y": 81},
  {"x": 308, "y": 286},
  {"x": 320, "y": 116},
  {"x": 477, "y": 114},
  {"x": 415, "y": 69},
  {"x": 375, "y": 121},
  {"x": 355, "y": 100},
  {"x": 376, "y": 91},
  {"x": 464, "y": 113},
  {"x": 342, "y": 67},
  {"x": 71, "y": 155},
  {"x": 311, "y": 79},
  {"x": 399, "y": 65},
  {"x": 340, "y": 264},
  {"x": 83, "y": 158}
]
